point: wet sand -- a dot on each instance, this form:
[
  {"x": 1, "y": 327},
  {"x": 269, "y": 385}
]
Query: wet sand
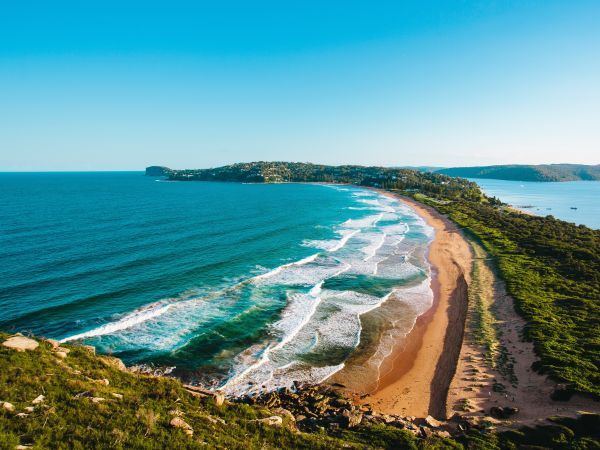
[{"x": 415, "y": 378}]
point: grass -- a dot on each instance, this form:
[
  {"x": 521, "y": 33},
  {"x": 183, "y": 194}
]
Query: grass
[
  {"x": 552, "y": 270},
  {"x": 69, "y": 419}
]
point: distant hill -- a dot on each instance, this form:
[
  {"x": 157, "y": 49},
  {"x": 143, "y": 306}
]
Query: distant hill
[
  {"x": 157, "y": 171},
  {"x": 543, "y": 172}
]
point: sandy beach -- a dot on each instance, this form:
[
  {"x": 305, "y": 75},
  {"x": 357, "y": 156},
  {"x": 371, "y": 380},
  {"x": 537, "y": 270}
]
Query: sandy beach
[
  {"x": 415, "y": 377},
  {"x": 440, "y": 368}
]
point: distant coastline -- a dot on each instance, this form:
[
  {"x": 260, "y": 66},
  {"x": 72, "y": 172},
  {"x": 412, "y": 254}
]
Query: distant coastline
[{"x": 516, "y": 172}]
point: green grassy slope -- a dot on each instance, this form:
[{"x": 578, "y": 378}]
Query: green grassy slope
[{"x": 68, "y": 417}]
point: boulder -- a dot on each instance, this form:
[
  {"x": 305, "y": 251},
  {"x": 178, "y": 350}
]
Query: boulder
[
  {"x": 8, "y": 406},
  {"x": 90, "y": 348},
  {"x": 499, "y": 412},
  {"x": 113, "y": 362},
  {"x": 219, "y": 398},
  {"x": 103, "y": 382},
  {"x": 433, "y": 423},
  {"x": 62, "y": 349},
  {"x": 442, "y": 433},
  {"x": 21, "y": 415},
  {"x": 353, "y": 418},
  {"x": 39, "y": 399},
  {"x": 21, "y": 343},
  {"x": 286, "y": 413},
  {"x": 115, "y": 395},
  {"x": 197, "y": 391},
  {"x": 29, "y": 409},
  {"x": 273, "y": 421},
  {"x": 178, "y": 422},
  {"x": 54, "y": 343},
  {"x": 61, "y": 355},
  {"x": 425, "y": 432},
  {"x": 97, "y": 399}
]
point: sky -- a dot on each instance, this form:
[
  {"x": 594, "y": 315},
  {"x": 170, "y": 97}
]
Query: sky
[{"x": 115, "y": 85}]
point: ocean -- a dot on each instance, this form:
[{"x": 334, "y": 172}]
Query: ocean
[
  {"x": 244, "y": 287},
  {"x": 572, "y": 201}
]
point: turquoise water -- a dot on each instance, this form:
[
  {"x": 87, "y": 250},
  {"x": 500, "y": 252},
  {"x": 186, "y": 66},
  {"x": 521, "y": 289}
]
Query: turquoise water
[
  {"x": 238, "y": 285},
  {"x": 557, "y": 199}
]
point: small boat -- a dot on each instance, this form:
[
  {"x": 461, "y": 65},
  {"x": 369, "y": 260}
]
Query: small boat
[{"x": 573, "y": 207}]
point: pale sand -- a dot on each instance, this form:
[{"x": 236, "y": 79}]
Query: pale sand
[
  {"x": 475, "y": 375},
  {"x": 416, "y": 376}
]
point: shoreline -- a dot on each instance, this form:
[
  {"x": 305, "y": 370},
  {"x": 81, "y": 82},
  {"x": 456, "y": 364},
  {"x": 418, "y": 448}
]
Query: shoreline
[{"x": 415, "y": 378}]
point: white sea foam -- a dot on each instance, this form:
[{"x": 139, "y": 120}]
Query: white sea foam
[
  {"x": 278, "y": 269},
  {"x": 135, "y": 318},
  {"x": 315, "y": 320}
]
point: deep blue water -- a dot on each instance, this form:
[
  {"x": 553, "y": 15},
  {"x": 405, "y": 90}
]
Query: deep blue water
[
  {"x": 238, "y": 282},
  {"x": 556, "y": 199}
]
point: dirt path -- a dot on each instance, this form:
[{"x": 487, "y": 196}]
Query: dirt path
[{"x": 494, "y": 368}]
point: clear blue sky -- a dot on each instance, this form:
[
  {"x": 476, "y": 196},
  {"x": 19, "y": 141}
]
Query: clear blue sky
[{"x": 102, "y": 85}]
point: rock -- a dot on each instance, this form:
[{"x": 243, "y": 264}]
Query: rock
[
  {"x": 29, "y": 409},
  {"x": 353, "y": 418},
  {"x": 300, "y": 417},
  {"x": 503, "y": 413},
  {"x": 97, "y": 399},
  {"x": 219, "y": 398},
  {"x": 103, "y": 382},
  {"x": 8, "y": 406},
  {"x": 197, "y": 391},
  {"x": 23, "y": 447},
  {"x": 425, "y": 432},
  {"x": 61, "y": 355},
  {"x": 115, "y": 395},
  {"x": 496, "y": 411},
  {"x": 90, "y": 348},
  {"x": 39, "y": 399},
  {"x": 388, "y": 419},
  {"x": 54, "y": 343},
  {"x": 273, "y": 421},
  {"x": 442, "y": 433},
  {"x": 286, "y": 413},
  {"x": 340, "y": 402},
  {"x": 62, "y": 349},
  {"x": 21, "y": 343},
  {"x": 433, "y": 423},
  {"x": 178, "y": 422},
  {"x": 114, "y": 362},
  {"x": 21, "y": 415}
]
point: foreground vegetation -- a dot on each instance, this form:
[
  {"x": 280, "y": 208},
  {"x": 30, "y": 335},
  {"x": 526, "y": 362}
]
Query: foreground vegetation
[{"x": 90, "y": 402}]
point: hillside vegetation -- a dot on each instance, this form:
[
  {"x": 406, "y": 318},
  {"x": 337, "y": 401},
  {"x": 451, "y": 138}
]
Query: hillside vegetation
[
  {"x": 68, "y": 398},
  {"x": 543, "y": 172},
  {"x": 551, "y": 267}
]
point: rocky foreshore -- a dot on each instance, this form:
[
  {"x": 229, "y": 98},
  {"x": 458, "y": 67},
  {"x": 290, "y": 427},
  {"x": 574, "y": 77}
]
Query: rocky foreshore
[{"x": 325, "y": 408}]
